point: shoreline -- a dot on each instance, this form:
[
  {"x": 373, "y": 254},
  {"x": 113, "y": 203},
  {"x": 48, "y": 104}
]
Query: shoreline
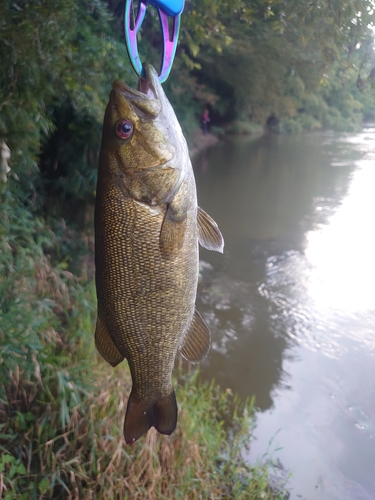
[{"x": 198, "y": 142}]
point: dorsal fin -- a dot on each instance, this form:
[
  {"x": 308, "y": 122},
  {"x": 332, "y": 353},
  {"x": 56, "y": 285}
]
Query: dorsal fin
[
  {"x": 209, "y": 234},
  {"x": 197, "y": 341}
]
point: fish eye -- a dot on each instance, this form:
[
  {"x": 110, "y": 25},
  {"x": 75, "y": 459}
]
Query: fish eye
[{"x": 124, "y": 129}]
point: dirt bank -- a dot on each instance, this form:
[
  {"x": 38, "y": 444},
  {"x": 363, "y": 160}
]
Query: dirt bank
[{"x": 198, "y": 141}]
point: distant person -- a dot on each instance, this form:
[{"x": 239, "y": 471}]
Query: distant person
[{"x": 205, "y": 121}]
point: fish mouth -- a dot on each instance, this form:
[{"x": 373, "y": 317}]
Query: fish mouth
[
  {"x": 147, "y": 102},
  {"x": 147, "y": 87}
]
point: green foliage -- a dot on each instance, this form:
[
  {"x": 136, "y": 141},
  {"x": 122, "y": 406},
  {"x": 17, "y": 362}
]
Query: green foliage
[
  {"x": 88, "y": 455},
  {"x": 282, "y": 54},
  {"x": 37, "y": 303},
  {"x": 58, "y": 58},
  {"x": 244, "y": 128},
  {"x": 297, "y": 124},
  {"x": 62, "y": 410},
  {"x": 300, "y": 65}
]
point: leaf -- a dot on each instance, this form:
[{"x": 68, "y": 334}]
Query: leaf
[
  {"x": 21, "y": 469},
  {"x": 12, "y": 471},
  {"x": 7, "y": 459},
  {"x": 43, "y": 485}
]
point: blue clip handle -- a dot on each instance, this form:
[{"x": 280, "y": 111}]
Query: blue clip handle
[
  {"x": 171, "y": 7},
  {"x": 165, "y": 8}
]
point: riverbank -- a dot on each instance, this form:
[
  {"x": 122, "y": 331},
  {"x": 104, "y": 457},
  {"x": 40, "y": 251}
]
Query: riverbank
[
  {"x": 62, "y": 407},
  {"x": 199, "y": 141}
]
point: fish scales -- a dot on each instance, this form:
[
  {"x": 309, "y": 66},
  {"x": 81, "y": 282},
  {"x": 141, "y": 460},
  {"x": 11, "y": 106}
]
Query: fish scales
[
  {"x": 134, "y": 230},
  {"x": 147, "y": 228}
]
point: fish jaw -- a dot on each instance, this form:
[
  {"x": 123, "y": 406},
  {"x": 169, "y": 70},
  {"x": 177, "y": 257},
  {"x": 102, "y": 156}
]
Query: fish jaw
[
  {"x": 157, "y": 139},
  {"x": 148, "y": 146},
  {"x": 153, "y": 162}
]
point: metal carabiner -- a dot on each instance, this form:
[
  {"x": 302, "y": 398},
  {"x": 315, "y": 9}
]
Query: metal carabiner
[{"x": 165, "y": 8}]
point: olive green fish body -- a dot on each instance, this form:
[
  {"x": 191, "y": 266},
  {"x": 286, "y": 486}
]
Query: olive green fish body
[
  {"x": 138, "y": 302},
  {"x": 147, "y": 227}
]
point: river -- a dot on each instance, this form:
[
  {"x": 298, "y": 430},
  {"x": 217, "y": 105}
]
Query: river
[{"x": 291, "y": 303}]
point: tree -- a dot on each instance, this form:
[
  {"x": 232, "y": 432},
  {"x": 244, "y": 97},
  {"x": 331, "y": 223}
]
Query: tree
[{"x": 282, "y": 52}]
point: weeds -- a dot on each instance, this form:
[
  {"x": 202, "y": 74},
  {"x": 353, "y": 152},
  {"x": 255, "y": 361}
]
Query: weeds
[
  {"x": 62, "y": 407},
  {"x": 88, "y": 458}
]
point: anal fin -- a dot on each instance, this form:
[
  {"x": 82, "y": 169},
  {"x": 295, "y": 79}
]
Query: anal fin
[
  {"x": 197, "y": 341},
  {"x": 209, "y": 234},
  {"x": 105, "y": 345},
  {"x": 140, "y": 417}
]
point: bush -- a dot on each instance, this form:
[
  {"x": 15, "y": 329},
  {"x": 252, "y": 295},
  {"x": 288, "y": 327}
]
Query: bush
[
  {"x": 296, "y": 125},
  {"x": 244, "y": 128},
  {"x": 334, "y": 120},
  {"x": 58, "y": 61},
  {"x": 39, "y": 302}
]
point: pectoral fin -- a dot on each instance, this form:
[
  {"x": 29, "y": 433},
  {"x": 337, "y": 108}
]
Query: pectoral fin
[
  {"x": 172, "y": 231},
  {"x": 209, "y": 234},
  {"x": 105, "y": 345},
  {"x": 197, "y": 341}
]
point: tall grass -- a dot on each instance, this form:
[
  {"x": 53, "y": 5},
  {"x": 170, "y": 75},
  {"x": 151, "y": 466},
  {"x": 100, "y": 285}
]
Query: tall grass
[{"x": 62, "y": 407}]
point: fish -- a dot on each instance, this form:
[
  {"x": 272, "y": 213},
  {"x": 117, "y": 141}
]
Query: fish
[{"x": 147, "y": 229}]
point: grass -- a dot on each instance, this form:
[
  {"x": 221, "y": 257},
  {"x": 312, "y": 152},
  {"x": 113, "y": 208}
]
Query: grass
[
  {"x": 88, "y": 457},
  {"x": 62, "y": 407}
]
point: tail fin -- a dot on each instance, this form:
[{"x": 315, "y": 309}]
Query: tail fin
[{"x": 140, "y": 417}]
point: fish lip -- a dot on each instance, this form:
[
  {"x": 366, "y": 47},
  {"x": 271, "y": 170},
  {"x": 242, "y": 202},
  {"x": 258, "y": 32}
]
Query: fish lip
[
  {"x": 151, "y": 83},
  {"x": 147, "y": 87}
]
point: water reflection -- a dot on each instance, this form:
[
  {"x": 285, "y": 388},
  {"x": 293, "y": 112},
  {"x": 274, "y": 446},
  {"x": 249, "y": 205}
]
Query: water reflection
[
  {"x": 291, "y": 306},
  {"x": 343, "y": 250},
  {"x": 239, "y": 334}
]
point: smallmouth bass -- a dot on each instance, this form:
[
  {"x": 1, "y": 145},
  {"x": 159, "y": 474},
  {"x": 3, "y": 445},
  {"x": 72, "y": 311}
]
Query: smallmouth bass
[{"x": 147, "y": 229}]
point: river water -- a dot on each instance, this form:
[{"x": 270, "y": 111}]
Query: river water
[{"x": 291, "y": 303}]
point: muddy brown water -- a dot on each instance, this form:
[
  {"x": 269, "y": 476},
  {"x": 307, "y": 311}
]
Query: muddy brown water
[{"x": 291, "y": 304}]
